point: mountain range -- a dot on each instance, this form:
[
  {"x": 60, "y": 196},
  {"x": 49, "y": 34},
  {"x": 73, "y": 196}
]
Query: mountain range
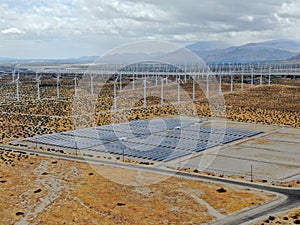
[
  {"x": 275, "y": 50},
  {"x": 209, "y": 51}
]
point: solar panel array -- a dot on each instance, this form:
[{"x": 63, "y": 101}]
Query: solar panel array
[{"x": 157, "y": 139}]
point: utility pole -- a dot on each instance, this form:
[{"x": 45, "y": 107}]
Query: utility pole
[{"x": 251, "y": 174}]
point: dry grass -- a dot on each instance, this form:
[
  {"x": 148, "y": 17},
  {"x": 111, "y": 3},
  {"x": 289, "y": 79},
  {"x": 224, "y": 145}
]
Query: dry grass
[
  {"x": 278, "y": 104},
  {"x": 292, "y": 217},
  {"x": 72, "y": 193},
  {"x": 75, "y": 193}
]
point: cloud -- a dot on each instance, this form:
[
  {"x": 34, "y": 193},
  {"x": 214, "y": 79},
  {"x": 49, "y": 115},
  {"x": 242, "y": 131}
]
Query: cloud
[
  {"x": 116, "y": 21},
  {"x": 290, "y": 10},
  {"x": 12, "y": 30},
  {"x": 143, "y": 19}
]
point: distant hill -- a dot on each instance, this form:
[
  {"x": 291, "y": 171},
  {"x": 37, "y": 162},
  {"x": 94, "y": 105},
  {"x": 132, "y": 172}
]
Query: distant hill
[
  {"x": 203, "y": 46},
  {"x": 275, "y": 50},
  {"x": 295, "y": 58},
  {"x": 127, "y": 58},
  {"x": 2, "y": 59},
  {"x": 209, "y": 51},
  {"x": 83, "y": 59}
]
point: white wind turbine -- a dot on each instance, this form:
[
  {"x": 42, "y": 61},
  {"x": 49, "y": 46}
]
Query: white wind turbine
[
  {"x": 38, "y": 82},
  {"x": 75, "y": 85},
  {"x": 57, "y": 86},
  {"x": 145, "y": 92},
  {"x": 92, "y": 84},
  {"x": 115, "y": 94},
  {"x": 14, "y": 72},
  {"x": 17, "y": 81},
  {"x": 162, "y": 91}
]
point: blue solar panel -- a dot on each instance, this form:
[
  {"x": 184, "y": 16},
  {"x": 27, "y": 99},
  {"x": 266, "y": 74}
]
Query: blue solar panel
[
  {"x": 65, "y": 141},
  {"x": 157, "y": 140},
  {"x": 156, "y": 153}
]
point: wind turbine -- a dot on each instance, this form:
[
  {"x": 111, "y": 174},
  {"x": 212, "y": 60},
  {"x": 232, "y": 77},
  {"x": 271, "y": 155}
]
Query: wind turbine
[
  {"x": 242, "y": 79},
  {"x": 133, "y": 77},
  {"x": 92, "y": 84},
  {"x": 57, "y": 85},
  {"x": 194, "y": 89},
  {"x": 17, "y": 86},
  {"x": 167, "y": 74},
  {"x": 269, "y": 80},
  {"x": 231, "y": 77},
  {"x": 162, "y": 91},
  {"x": 115, "y": 94},
  {"x": 75, "y": 85},
  {"x": 14, "y": 72},
  {"x": 13, "y": 75},
  {"x": 38, "y": 80},
  {"x": 220, "y": 82},
  {"x": 178, "y": 92},
  {"x": 261, "y": 76},
  {"x": 145, "y": 93},
  {"x": 252, "y": 76},
  {"x": 207, "y": 85}
]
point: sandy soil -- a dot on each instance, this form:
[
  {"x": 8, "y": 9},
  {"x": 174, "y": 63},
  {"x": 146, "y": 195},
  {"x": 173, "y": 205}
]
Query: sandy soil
[
  {"x": 46, "y": 191},
  {"x": 292, "y": 217},
  {"x": 267, "y": 105},
  {"x": 37, "y": 190}
]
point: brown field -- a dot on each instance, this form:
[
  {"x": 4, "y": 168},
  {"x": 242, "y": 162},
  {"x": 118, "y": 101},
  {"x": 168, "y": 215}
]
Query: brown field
[
  {"x": 292, "y": 217},
  {"x": 278, "y": 104},
  {"x": 40, "y": 190},
  {"x": 50, "y": 191}
]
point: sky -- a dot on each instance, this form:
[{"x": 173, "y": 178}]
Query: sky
[{"x": 74, "y": 28}]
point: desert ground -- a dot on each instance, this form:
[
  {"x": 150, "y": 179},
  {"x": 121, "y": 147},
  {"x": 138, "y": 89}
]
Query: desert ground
[
  {"x": 37, "y": 190},
  {"x": 292, "y": 217},
  {"x": 30, "y": 117}
]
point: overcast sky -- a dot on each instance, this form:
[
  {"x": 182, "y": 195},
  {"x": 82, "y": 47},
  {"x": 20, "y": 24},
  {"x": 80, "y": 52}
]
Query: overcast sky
[{"x": 73, "y": 28}]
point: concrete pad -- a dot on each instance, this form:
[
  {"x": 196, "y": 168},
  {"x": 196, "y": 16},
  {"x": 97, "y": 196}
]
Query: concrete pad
[
  {"x": 275, "y": 154},
  {"x": 273, "y": 145},
  {"x": 291, "y": 131},
  {"x": 284, "y": 137},
  {"x": 262, "y": 155},
  {"x": 240, "y": 125},
  {"x": 242, "y": 167}
]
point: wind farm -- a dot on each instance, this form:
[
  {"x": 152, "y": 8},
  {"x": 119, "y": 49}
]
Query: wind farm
[{"x": 149, "y": 112}]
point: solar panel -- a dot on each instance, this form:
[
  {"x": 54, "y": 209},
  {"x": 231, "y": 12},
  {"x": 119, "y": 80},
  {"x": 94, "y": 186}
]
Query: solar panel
[
  {"x": 156, "y": 140},
  {"x": 65, "y": 141}
]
